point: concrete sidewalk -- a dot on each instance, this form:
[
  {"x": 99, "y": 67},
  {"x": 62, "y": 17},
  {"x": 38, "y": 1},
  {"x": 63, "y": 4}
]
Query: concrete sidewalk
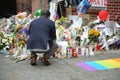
[{"x": 60, "y": 69}]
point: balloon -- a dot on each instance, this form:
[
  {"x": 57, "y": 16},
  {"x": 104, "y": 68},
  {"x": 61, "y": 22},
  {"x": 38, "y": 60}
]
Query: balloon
[
  {"x": 38, "y": 12},
  {"x": 103, "y": 14}
]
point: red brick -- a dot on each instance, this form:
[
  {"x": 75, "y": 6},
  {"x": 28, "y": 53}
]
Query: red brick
[{"x": 113, "y": 7}]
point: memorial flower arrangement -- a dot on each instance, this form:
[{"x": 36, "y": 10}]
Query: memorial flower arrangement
[
  {"x": 62, "y": 25},
  {"x": 93, "y": 36},
  {"x": 64, "y": 21}
]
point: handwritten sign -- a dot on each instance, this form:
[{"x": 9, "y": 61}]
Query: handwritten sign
[{"x": 99, "y": 2}]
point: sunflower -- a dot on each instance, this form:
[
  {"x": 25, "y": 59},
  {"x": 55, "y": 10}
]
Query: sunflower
[
  {"x": 93, "y": 35},
  {"x": 90, "y": 32},
  {"x": 96, "y": 33}
]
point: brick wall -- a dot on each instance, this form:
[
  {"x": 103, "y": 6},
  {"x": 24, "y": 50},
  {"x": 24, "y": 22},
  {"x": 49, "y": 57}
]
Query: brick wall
[
  {"x": 23, "y": 5},
  {"x": 39, "y": 4},
  {"x": 93, "y": 13},
  {"x": 113, "y": 7}
]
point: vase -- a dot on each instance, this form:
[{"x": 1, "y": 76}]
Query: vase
[
  {"x": 87, "y": 51},
  {"x": 91, "y": 50},
  {"x": 83, "y": 51}
]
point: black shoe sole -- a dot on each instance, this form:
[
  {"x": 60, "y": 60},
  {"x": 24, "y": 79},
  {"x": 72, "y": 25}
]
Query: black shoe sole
[{"x": 33, "y": 64}]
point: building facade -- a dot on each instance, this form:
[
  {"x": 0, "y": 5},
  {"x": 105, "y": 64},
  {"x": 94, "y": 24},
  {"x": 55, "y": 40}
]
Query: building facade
[{"x": 112, "y": 6}]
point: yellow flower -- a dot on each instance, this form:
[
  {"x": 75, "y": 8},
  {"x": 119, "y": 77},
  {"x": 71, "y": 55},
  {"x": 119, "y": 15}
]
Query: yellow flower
[
  {"x": 61, "y": 27},
  {"x": 93, "y": 35},
  {"x": 21, "y": 43},
  {"x": 66, "y": 18},
  {"x": 80, "y": 29},
  {"x": 57, "y": 21},
  {"x": 90, "y": 32},
  {"x": 21, "y": 16},
  {"x": 96, "y": 33}
]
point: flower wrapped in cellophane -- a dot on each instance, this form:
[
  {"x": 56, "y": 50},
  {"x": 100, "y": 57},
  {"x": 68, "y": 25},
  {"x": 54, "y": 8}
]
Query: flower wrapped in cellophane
[{"x": 93, "y": 36}]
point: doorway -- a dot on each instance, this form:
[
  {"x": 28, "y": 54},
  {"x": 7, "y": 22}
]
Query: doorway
[{"x": 7, "y": 8}]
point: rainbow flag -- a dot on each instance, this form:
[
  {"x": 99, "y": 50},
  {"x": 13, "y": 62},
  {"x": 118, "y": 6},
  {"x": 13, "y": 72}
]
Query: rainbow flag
[{"x": 100, "y": 64}]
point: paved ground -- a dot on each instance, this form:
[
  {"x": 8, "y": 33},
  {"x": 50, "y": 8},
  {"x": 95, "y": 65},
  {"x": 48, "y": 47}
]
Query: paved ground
[{"x": 61, "y": 69}]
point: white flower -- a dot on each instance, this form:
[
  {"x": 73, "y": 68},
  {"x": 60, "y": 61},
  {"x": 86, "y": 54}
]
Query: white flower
[
  {"x": 7, "y": 43},
  {"x": 4, "y": 40}
]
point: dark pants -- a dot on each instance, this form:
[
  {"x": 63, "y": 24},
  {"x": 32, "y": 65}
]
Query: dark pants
[{"x": 47, "y": 53}]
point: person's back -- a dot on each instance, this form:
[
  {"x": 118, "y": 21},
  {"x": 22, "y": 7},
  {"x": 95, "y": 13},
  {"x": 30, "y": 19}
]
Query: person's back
[
  {"x": 41, "y": 27},
  {"x": 42, "y": 30},
  {"x": 42, "y": 33}
]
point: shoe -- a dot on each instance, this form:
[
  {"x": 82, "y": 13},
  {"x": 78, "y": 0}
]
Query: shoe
[
  {"x": 33, "y": 60},
  {"x": 45, "y": 61}
]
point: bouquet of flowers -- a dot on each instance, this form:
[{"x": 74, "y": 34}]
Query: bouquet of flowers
[
  {"x": 93, "y": 36},
  {"x": 64, "y": 21}
]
